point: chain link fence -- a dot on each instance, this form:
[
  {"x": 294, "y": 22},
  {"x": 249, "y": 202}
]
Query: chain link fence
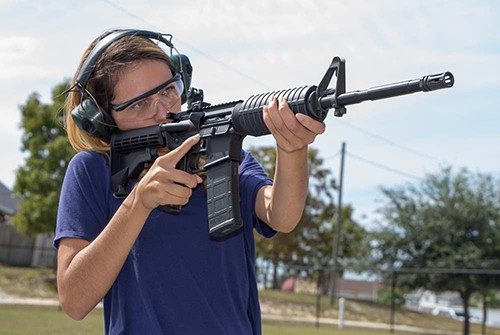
[{"x": 378, "y": 299}]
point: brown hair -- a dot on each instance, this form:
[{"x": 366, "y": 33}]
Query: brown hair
[{"x": 108, "y": 69}]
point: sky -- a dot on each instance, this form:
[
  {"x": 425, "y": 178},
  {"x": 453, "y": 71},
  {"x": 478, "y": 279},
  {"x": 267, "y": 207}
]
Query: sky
[{"x": 240, "y": 48}]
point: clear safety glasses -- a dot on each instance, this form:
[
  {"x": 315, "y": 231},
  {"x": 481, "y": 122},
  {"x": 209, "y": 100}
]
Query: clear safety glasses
[{"x": 167, "y": 94}]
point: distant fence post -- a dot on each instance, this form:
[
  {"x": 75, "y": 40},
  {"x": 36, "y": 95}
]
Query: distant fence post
[
  {"x": 341, "y": 312},
  {"x": 318, "y": 298},
  {"x": 393, "y": 299}
]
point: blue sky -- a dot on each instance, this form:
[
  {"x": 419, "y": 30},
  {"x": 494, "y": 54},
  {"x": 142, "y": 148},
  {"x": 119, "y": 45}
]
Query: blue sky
[{"x": 239, "y": 48}]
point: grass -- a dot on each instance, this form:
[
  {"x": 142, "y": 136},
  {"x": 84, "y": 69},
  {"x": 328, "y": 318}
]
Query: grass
[
  {"x": 24, "y": 320},
  {"x": 292, "y": 328},
  {"x": 41, "y": 283},
  {"x": 28, "y": 282},
  {"x": 289, "y": 304}
]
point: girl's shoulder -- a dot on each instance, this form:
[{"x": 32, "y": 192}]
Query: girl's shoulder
[
  {"x": 88, "y": 159},
  {"x": 90, "y": 164}
]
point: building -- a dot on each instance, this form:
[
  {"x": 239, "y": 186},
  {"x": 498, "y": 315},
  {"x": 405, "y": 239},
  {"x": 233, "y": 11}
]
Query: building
[
  {"x": 18, "y": 249},
  {"x": 347, "y": 288},
  {"x": 437, "y": 303},
  {"x": 8, "y": 204}
]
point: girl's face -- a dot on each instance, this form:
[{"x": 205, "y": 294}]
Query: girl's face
[{"x": 144, "y": 93}]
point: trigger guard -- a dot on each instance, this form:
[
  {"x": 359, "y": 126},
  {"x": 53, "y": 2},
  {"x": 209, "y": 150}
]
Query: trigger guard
[
  {"x": 189, "y": 163},
  {"x": 192, "y": 163}
]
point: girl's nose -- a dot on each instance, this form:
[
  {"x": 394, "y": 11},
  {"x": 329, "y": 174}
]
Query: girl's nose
[{"x": 160, "y": 111}]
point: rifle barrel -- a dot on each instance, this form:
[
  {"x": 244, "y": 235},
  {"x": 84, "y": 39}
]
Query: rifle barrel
[{"x": 425, "y": 84}]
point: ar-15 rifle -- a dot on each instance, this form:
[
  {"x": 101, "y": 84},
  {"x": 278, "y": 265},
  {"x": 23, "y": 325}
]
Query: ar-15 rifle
[{"x": 222, "y": 129}]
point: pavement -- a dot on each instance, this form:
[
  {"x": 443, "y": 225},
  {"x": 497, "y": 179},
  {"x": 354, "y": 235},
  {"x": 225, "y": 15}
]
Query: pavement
[{"x": 7, "y": 299}]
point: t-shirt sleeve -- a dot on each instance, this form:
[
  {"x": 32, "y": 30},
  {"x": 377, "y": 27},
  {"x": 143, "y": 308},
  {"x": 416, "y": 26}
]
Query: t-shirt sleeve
[
  {"x": 252, "y": 179},
  {"x": 84, "y": 198}
]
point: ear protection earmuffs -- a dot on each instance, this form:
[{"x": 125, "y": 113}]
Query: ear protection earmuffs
[{"x": 88, "y": 115}]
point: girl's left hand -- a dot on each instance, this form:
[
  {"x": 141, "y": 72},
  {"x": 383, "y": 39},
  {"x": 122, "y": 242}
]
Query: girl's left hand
[{"x": 292, "y": 132}]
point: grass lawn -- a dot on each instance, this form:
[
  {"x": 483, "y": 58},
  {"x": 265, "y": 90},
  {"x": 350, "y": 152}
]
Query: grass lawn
[
  {"x": 27, "y": 320},
  {"x": 291, "y": 328},
  {"x": 28, "y": 282},
  {"x": 40, "y": 283},
  {"x": 24, "y": 320}
]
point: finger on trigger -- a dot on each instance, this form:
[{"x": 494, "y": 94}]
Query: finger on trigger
[{"x": 184, "y": 148}]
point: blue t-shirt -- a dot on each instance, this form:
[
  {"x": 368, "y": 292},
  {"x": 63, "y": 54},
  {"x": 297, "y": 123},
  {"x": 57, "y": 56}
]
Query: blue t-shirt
[{"x": 176, "y": 280}]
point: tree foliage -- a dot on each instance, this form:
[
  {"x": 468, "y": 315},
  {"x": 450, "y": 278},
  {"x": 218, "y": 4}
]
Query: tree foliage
[
  {"x": 310, "y": 244},
  {"x": 47, "y": 153},
  {"x": 451, "y": 220}
]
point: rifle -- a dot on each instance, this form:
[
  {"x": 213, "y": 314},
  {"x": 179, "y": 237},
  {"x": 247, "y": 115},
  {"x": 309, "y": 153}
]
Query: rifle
[{"x": 222, "y": 129}]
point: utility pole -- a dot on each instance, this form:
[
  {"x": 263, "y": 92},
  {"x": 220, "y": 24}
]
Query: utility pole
[{"x": 336, "y": 242}]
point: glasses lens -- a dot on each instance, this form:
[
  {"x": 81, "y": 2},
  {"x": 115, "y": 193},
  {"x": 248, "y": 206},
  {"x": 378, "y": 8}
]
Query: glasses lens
[
  {"x": 171, "y": 94},
  {"x": 167, "y": 94}
]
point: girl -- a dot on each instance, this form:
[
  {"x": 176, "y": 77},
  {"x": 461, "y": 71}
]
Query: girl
[{"x": 159, "y": 273}]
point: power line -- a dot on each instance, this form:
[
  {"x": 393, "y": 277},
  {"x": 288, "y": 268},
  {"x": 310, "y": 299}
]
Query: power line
[
  {"x": 331, "y": 157},
  {"x": 192, "y": 47},
  {"x": 387, "y": 141},
  {"x": 383, "y": 167},
  {"x": 465, "y": 271},
  {"x": 378, "y": 165},
  {"x": 250, "y": 78},
  {"x": 132, "y": 15}
]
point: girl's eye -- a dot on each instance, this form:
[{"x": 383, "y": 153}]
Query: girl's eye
[
  {"x": 167, "y": 90},
  {"x": 138, "y": 105}
]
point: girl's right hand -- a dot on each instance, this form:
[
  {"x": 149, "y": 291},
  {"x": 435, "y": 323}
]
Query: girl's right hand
[{"x": 163, "y": 184}]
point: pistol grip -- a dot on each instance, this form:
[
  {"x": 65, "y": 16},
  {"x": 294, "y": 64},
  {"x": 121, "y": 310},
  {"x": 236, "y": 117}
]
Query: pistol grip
[{"x": 170, "y": 209}]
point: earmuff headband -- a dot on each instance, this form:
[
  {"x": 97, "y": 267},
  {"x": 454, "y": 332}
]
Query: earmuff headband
[{"x": 92, "y": 59}]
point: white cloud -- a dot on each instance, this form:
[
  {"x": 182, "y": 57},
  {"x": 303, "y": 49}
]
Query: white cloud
[{"x": 19, "y": 57}]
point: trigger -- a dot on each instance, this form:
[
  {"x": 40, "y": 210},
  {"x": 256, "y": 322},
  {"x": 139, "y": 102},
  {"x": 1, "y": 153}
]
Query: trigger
[{"x": 192, "y": 163}]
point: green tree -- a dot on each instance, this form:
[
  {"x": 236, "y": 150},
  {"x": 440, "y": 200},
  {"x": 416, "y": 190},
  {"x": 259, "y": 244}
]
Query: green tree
[
  {"x": 47, "y": 153},
  {"x": 309, "y": 246},
  {"x": 451, "y": 220}
]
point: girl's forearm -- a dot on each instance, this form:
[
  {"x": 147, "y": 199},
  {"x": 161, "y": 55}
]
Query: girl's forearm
[
  {"x": 86, "y": 275},
  {"x": 286, "y": 198}
]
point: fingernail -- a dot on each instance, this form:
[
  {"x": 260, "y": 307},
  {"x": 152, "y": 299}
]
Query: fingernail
[
  {"x": 299, "y": 117},
  {"x": 273, "y": 99},
  {"x": 199, "y": 179}
]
